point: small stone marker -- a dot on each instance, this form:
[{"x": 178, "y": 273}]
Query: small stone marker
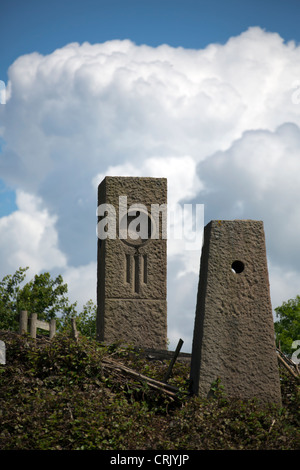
[
  {"x": 234, "y": 338},
  {"x": 132, "y": 264},
  {"x": 2, "y": 353}
]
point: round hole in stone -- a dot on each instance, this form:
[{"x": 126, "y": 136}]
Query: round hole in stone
[{"x": 237, "y": 267}]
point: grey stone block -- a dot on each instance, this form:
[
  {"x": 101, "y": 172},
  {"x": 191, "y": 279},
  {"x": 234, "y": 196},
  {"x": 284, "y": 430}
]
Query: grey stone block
[
  {"x": 234, "y": 338},
  {"x": 131, "y": 279}
]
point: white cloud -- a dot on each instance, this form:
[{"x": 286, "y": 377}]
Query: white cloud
[
  {"x": 81, "y": 283},
  {"x": 29, "y": 238},
  {"x": 284, "y": 284},
  {"x": 257, "y": 177},
  {"x": 220, "y": 123},
  {"x": 183, "y": 182}
]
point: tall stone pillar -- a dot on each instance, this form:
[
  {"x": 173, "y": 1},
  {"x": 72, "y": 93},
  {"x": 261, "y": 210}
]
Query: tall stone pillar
[
  {"x": 132, "y": 261},
  {"x": 234, "y": 332}
]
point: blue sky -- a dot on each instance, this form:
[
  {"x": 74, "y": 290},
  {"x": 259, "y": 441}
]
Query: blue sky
[
  {"x": 206, "y": 93},
  {"x": 38, "y": 25}
]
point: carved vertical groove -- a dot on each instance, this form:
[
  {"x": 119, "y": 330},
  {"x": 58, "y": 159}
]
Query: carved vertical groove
[
  {"x": 127, "y": 268},
  {"x": 145, "y": 269},
  {"x": 136, "y": 274}
]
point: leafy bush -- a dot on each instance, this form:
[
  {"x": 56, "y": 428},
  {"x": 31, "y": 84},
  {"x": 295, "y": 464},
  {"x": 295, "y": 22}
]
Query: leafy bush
[
  {"x": 59, "y": 395},
  {"x": 287, "y": 327}
]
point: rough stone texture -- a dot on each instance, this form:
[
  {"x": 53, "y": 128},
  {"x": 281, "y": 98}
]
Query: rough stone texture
[
  {"x": 234, "y": 332},
  {"x": 131, "y": 283}
]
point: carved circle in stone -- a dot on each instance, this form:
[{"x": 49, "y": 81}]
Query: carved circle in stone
[{"x": 132, "y": 233}]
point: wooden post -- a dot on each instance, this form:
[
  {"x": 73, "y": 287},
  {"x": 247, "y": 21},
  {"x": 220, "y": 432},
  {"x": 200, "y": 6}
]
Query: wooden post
[
  {"x": 23, "y": 322},
  {"x": 2, "y": 353},
  {"x": 52, "y": 328},
  {"x": 33, "y": 325},
  {"x": 74, "y": 329},
  {"x": 169, "y": 371}
]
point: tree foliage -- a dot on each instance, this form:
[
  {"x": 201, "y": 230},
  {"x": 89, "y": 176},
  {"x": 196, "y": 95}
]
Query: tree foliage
[
  {"x": 45, "y": 296},
  {"x": 287, "y": 328}
]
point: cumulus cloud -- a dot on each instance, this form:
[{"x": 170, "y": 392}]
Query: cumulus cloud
[
  {"x": 81, "y": 283},
  {"x": 221, "y": 123},
  {"x": 257, "y": 177},
  {"x": 29, "y": 238}
]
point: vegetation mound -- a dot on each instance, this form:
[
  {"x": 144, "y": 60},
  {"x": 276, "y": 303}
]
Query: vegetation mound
[{"x": 65, "y": 395}]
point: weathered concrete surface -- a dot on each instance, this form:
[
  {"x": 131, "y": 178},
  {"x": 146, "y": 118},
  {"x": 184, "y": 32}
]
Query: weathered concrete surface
[
  {"x": 132, "y": 275},
  {"x": 234, "y": 332}
]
